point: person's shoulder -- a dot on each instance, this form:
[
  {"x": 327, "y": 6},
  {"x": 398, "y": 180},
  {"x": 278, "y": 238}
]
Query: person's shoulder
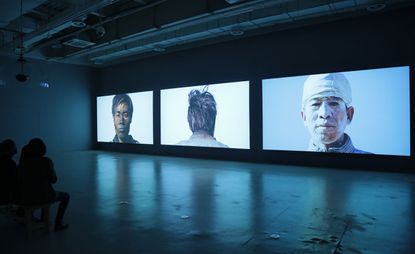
[
  {"x": 7, "y": 163},
  {"x": 46, "y": 161},
  {"x": 46, "y": 158},
  {"x": 183, "y": 143},
  {"x": 358, "y": 151},
  {"x": 220, "y": 144},
  {"x": 217, "y": 143},
  {"x": 131, "y": 140}
]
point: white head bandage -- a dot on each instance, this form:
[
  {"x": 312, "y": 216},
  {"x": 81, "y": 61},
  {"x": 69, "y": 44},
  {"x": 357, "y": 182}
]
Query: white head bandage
[{"x": 326, "y": 85}]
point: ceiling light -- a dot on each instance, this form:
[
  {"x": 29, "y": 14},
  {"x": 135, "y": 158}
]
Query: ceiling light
[
  {"x": 100, "y": 30},
  {"x": 57, "y": 46},
  {"x": 78, "y": 23},
  {"x": 98, "y": 62},
  {"x": 232, "y": 1},
  {"x": 78, "y": 43},
  {"x": 236, "y": 31},
  {"x": 376, "y": 7},
  {"x": 44, "y": 84},
  {"x": 159, "y": 49}
]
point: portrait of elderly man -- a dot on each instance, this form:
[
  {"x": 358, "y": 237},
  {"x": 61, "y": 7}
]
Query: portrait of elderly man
[
  {"x": 122, "y": 114},
  {"x": 201, "y": 116},
  {"x": 326, "y": 111}
]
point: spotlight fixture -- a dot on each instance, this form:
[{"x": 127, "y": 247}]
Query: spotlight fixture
[
  {"x": 100, "y": 30},
  {"x": 21, "y": 77}
]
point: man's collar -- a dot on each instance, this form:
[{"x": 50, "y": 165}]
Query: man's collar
[
  {"x": 128, "y": 139},
  {"x": 345, "y": 147}
]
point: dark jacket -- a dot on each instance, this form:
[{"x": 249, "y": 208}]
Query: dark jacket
[
  {"x": 37, "y": 175},
  {"x": 8, "y": 180}
]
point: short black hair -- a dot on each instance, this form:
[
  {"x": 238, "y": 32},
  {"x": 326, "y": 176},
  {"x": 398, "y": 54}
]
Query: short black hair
[
  {"x": 7, "y": 146},
  {"x": 122, "y": 99},
  {"x": 37, "y": 147},
  {"x": 201, "y": 113}
]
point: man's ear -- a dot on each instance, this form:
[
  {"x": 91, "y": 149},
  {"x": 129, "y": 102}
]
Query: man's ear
[{"x": 350, "y": 113}]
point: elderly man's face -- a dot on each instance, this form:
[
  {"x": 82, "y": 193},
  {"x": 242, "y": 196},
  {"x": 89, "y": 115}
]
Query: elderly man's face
[
  {"x": 122, "y": 120},
  {"x": 326, "y": 118}
]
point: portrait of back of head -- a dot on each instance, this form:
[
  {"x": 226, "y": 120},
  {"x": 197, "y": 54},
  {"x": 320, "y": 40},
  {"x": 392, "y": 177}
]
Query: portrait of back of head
[
  {"x": 201, "y": 116},
  {"x": 115, "y": 121},
  {"x": 339, "y": 112},
  {"x": 206, "y": 115}
]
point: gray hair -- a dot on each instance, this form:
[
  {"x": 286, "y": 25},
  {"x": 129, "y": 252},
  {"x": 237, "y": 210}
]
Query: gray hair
[{"x": 201, "y": 113}]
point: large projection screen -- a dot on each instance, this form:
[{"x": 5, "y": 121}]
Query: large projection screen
[
  {"x": 114, "y": 127},
  {"x": 380, "y": 122},
  {"x": 190, "y": 127}
]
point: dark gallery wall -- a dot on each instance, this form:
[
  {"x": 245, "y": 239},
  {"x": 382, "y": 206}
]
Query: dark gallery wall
[
  {"x": 378, "y": 40},
  {"x": 61, "y": 114}
]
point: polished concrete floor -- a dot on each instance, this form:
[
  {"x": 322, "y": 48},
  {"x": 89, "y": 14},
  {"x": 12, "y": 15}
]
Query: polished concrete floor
[{"x": 129, "y": 203}]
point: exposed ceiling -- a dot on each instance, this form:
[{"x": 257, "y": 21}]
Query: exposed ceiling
[{"x": 105, "y": 32}]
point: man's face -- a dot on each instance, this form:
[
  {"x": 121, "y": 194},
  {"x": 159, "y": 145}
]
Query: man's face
[
  {"x": 326, "y": 118},
  {"x": 122, "y": 120}
]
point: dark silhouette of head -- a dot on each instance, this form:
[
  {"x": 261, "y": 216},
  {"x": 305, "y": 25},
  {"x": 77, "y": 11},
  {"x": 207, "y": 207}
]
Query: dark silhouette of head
[
  {"x": 8, "y": 148},
  {"x": 37, "y": 147},
  {"x": 201, "y": 113}
]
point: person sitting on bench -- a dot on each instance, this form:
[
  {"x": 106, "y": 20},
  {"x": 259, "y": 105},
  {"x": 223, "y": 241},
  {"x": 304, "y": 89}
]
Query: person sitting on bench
[{"x": 36, "y": 179}]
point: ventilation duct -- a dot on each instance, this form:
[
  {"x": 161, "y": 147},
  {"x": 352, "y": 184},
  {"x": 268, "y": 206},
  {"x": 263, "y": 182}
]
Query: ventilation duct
[{"x": 79, "y": 43}]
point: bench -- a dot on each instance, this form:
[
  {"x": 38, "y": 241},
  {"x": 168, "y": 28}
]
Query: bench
[{"x": 32, "y": 224}]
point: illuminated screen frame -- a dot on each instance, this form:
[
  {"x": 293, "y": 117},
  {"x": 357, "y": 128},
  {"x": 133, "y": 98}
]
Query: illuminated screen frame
[
  {"x": 232, "y": 126},
  {"x": 141, "y": 127},
  {"x": 380, "y": 125}
]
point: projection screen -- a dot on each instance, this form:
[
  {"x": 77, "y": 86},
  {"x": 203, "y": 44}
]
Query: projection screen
[
  {"x": 125, "y": 118},
  {"x": 365, "y": 112},
  {"x": 215, "y": 115}
]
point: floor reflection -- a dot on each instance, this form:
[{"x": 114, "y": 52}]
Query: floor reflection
[
  {"x": 107, "y": 184},
  {"x": 202, "y": 201},
  {"x": 148, "y": 204}
]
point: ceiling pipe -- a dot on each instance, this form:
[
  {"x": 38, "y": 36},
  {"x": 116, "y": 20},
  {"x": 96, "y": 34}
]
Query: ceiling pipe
[
  {"x": 120, "y": 15},
  {"x": 282, "y": 13},
  {"x": 226, "y": 12},
  {"x": 62, "y": 22}
]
